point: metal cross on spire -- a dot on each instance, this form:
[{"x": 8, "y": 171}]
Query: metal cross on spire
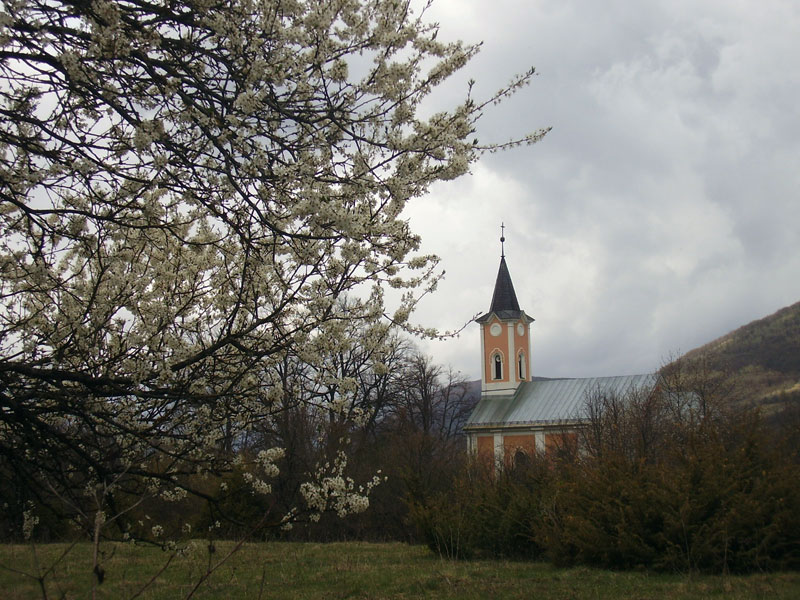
[{"x": 502, "y": 240}]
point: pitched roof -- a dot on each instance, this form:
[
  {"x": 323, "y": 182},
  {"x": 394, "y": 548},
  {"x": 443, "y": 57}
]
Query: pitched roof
[
  {"x": 550, "y": 401},
  {"x": 504, "y": 299}
]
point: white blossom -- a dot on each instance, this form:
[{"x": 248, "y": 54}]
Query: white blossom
[
  {"x": 29, "y": 521},
  {"x": 194, "y": 199}
]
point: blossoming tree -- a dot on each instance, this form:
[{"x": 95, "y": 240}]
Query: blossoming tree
[{"x": 187, "y": 191}]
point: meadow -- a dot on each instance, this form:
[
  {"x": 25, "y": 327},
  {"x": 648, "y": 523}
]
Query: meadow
[{"x": 346, "y": 570}]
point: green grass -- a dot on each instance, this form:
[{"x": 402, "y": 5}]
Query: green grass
[{"x": 352, "y": 570}]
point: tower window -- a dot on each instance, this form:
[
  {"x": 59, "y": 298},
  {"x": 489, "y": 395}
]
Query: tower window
[
  {"x": 521, "y": 365},
  {"x": 498, "y": 366}
]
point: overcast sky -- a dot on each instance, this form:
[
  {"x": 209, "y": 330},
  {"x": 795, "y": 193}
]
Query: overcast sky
[{"x": 663, "y": 208}]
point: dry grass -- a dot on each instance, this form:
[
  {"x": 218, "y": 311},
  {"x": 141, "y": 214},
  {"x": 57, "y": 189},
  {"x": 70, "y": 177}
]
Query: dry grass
[{"x": 349, "y": 570}]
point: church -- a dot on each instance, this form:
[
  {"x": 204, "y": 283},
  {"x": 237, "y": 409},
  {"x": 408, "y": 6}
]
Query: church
[{"x": 517, "y": 412}]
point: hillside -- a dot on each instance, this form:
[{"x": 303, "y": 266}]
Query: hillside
[{"x": 764, "y": 354}]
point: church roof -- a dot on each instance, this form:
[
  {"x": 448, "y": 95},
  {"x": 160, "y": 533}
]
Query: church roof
[
  {"x": 504, "y": 299},
  {"x": 550, "y": 401}
]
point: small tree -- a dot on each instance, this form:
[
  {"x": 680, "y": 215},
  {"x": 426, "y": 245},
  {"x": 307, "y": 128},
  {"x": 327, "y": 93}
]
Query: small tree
[{"x": 430, "y": 406}]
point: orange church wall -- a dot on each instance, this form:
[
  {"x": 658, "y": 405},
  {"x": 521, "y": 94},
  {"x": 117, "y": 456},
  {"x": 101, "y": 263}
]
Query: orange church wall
[
  {"x": 514, "y": 443},
  {"x": 521, "y": 343},
  {"x": 492, "y": 343},
  {"x": 486, "y": 446},
  {"x": 556, "y": 441}
]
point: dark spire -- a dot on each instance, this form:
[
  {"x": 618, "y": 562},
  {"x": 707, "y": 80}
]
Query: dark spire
[{"x": 504, "y": 298}]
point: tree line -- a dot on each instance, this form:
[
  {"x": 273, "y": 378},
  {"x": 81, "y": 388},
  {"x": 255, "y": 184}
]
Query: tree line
[
  {"x": 399, "y": 425},
  {"x": 681, "y": 478}
]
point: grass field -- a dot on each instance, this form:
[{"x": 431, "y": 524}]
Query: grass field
[{"x": 350, "y": 570}]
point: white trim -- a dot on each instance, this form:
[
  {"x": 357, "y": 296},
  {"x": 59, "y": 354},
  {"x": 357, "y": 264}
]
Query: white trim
[
  {"x": 528, "y": 353},
  {"x": 511, "y": 343},
  {"x": 497, "y": 353},
  {"x": 501, "y": 388},
  {"x": 498, "y": 447},
  {"x": 483, "y": 358},
  {"x": 539, "y": 435}
]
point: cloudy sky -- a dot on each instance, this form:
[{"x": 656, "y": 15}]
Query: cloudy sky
[{"x": 661, "y": 211}]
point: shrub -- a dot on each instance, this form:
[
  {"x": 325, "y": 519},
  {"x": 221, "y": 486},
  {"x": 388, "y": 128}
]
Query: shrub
[
  {"x": 486, "y": 514},
  {"x": 670, "y": 481},
  {"x": 446, "y": 522},
  {"x": 712, "y": 493}
]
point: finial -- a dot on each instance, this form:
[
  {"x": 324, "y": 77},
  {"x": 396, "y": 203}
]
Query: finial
[{"x": 502, "y": 240}]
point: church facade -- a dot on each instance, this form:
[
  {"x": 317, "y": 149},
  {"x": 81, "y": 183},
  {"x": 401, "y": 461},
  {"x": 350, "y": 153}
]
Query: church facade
[{"x": 517, "y": 412}]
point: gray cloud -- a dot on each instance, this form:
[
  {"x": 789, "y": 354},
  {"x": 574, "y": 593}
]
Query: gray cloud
[{"x": 660, "y": 212}]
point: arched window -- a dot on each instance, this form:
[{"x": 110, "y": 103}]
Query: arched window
[
  {"x": 521, "y": 459},
  {"x": 498, "y": 366},
  {"x": 521, "y": 365}
]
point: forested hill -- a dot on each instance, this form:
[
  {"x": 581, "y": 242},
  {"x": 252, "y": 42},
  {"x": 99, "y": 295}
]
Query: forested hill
[{"x": 764, "y": 353}]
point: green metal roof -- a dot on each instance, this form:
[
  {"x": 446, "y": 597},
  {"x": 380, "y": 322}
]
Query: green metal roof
[{"x": 550, "y": 401}]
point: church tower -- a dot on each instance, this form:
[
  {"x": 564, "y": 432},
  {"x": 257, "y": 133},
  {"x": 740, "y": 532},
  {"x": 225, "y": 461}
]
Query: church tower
[{"x": 505, "y": 337}]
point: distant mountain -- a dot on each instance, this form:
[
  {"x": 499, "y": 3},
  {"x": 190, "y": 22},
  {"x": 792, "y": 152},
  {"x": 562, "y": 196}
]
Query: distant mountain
[{"x": 764, "y": 355}]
